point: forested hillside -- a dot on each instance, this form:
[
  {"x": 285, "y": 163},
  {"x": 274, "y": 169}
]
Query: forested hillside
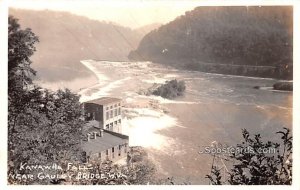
[
  {"x": 65, "y": 39},
  {"x": 253, "y": 41}
]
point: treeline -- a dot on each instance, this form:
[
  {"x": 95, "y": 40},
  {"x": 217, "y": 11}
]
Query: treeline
[{"x": 255, "y": 36}]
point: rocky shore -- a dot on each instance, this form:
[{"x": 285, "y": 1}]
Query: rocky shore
[{"x": 286, "y": 86}]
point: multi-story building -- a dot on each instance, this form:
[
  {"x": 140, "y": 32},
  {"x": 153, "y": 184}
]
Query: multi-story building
[
  {"x": 107, "y": 111},
  {"x": 103, "y": 139}
]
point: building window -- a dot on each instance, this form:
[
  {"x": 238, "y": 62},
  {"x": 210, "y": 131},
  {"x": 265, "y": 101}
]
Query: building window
[
  {"x": 107, "y": 115},
  {"x": 119, "y": 120},
  {"x": 120, "y": 148},
  {"x": 106, "y": 152},
  {"x": 107, "y": 126},
  {"x": 115, "y": 105},
  {"x": 110, "y": 107},
  {"x": 113, "y": 149},
  {"x": 99, "y": 155},
  {"x": 119, "y": 110},
  {"x": 84, "y": 157},
  {"x": 116, "y": 112},
  {"x": 116, "y": 122},
  {"x": 125, "y": 149},
  {"x": 111, "y": 114},
  {"x": 119, "y": 104}
]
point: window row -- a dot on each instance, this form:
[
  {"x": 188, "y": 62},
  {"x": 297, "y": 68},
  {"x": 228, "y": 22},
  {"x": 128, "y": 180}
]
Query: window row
[
  {"x": 111, "y": 107},
  {"x": 110, "y": 126},
  {"x": 113, "y": 113},
  {"x": 113, "y": 150}
]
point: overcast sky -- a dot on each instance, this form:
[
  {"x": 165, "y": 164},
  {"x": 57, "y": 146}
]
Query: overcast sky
[{"x": 130, "y": 13}]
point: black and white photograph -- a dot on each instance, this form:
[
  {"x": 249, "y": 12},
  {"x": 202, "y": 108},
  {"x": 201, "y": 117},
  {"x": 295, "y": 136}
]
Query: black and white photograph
[{"x": 149, "y": 93}]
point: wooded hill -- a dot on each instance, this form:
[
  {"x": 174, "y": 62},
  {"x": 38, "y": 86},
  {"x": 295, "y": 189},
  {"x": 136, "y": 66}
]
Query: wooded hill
[
  {"x": 253, "y": 41},
  {"x": 65, "y": 39}
]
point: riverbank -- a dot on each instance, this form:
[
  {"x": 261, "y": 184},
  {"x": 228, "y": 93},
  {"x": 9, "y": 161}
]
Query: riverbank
[
  {"x": 286, "y": 86},
  {"x": 75, "y": 85},
  {"x": 281, "y": 86}
]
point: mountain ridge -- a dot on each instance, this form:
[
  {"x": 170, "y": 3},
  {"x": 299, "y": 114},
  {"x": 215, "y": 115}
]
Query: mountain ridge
[
  {"x": 245, "y": 36},
  {"x": 66, "y": 38}
]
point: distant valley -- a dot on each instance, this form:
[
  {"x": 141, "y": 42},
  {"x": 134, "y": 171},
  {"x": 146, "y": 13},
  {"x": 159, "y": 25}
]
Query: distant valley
[{"x": 65, "y": 39}]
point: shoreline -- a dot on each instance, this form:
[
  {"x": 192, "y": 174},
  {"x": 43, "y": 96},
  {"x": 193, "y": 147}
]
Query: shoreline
[
  {"x": 217, "y": 74},
  {"x": 281, "y": 86},
  {"x": 75, "y": 85}
]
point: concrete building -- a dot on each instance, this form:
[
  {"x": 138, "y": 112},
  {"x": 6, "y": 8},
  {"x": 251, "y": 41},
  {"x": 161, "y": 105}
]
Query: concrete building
[
  {"x": 100, "y": 144},
  {"x": 107, "y": 111}
]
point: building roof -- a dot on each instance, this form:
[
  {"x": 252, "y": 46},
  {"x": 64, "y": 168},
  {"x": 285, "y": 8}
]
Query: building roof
[
  {"x": 108, "y": 140},
  {"x": 103, "y": 143},
  {"x": 104, "y": 100}
]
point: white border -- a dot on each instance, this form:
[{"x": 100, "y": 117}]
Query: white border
[{"x": 296, "y": 103}]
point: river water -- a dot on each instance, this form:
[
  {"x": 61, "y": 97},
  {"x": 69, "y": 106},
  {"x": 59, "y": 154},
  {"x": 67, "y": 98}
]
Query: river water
[{"x": 215, "y": 108}]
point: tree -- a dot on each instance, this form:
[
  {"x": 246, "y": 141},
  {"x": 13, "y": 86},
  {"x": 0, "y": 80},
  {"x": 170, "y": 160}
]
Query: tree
[
  {"x": 171, "y": 89},
  {"x": 44, "y": 127},
  {"x": 47, "y": 131},
  {"x": 20, "y": 48},
  {"x": 258, "y": 167}
]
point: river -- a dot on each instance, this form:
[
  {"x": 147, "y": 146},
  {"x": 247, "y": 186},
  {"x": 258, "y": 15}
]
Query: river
[{"x": 215, "y": 108}]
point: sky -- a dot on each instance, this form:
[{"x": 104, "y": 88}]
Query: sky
[{"x": 129, "y": 13}]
